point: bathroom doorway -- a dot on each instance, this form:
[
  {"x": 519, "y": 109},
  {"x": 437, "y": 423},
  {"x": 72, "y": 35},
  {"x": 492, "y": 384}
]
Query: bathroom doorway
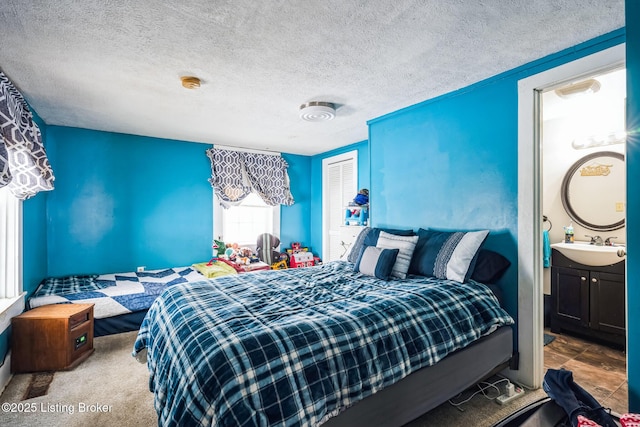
[
  {"x": 530, "y": 215},
  {"x": 583, "y": 189}
]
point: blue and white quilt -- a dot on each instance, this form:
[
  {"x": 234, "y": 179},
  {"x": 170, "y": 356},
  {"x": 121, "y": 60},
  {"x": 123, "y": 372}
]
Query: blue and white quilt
[
  {"x": 112, "y": 294},
  {"x": 298, "y": 346}
]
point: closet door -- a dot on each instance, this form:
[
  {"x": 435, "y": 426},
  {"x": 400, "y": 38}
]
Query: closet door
[{"x": 339, "y": 188}]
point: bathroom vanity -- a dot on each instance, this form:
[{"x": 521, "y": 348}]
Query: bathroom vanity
[{"x": 588, "y": 299}]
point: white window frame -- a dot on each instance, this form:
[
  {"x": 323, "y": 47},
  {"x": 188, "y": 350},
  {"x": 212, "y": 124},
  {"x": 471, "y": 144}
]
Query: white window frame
[
  {"x": 11, "y": 295},
  {"x": 218, "y": 223}
]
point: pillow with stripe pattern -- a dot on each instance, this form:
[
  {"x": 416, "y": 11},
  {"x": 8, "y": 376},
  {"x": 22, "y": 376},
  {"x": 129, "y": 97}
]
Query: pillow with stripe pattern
[
  {"x": 354, "y": 251},
  {"x": 405, "y": 245},
  {"x": 447, "y": 254},
  {"x": 371, "y": 239},
  {"x": 376, "y": 262}
]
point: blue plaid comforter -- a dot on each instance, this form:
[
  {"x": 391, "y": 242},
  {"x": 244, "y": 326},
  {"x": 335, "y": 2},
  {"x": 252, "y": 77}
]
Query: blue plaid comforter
[
  {"x": 298, "y": 346},
  {"x": 112, "y": 294}
]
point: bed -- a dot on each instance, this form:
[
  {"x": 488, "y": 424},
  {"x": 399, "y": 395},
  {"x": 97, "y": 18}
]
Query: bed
[
  {"x": 120, "y": 300},
  {"x": 318, "y": 345}
]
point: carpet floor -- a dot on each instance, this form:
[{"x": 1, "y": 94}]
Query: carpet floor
[{"x": 110, "y": 388}]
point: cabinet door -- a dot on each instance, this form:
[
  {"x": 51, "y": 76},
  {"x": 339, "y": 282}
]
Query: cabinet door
[
  {"x": 570, "y": 293},
  {"x": 607, "y": 302}
]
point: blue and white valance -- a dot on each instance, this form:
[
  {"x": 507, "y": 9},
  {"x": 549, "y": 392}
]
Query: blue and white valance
[
  {"x": 24, "y": 166},
  {"x": 235, "y": 174}
]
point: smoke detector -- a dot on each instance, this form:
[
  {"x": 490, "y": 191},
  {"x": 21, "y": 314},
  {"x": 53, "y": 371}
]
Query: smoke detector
[
  {"x": 190, "y": 82},
  {"x": 317, "y": 111}
]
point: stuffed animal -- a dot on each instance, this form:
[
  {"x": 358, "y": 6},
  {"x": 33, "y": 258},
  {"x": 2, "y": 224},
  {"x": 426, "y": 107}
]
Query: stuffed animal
[
  {"x": 266, "y": 245},
  {"x": 219, "y": 247},
  {"x": 362, "y": 198}
]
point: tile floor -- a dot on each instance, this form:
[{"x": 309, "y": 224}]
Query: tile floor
[{"x": 599, "y": 369}]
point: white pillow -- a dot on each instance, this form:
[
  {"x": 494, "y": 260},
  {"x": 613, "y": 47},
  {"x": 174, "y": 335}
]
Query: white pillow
[{"x": 406, "y": 245}]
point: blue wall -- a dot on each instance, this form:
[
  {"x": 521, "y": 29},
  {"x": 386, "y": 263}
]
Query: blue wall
[
  {"x": 294, "y": 219},
  {"x": 123, "y": 201},
  {"x": 316, "y": 190},
  {"x": 633, "y": 201}
]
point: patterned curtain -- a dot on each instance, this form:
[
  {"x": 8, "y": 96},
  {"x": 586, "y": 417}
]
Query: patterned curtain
[
  {"x": 235, "y": 174},
  {"x": 24, "y": 166}
]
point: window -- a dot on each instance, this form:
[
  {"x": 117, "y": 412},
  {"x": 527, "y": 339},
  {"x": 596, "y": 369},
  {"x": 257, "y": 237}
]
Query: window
[
  {"x": 243, "y": 224},
  {"x": 10, "y": 247}
]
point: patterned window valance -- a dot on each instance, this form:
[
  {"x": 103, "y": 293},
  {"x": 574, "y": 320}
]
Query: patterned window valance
[
  {"x": 24, "y": 166},
  {"x": 235, "y": 174}
]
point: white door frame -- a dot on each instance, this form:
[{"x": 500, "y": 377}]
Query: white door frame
[
  {"x": 349, "y": 155},
  {"x": 530, "y": 286}
]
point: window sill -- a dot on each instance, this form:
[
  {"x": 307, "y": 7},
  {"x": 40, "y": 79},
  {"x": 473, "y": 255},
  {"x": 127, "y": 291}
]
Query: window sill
[{"x": 9, "y": 308}]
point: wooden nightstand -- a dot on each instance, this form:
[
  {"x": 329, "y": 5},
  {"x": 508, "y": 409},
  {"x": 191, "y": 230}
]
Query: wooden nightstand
[{"x": 52, "y": 337}]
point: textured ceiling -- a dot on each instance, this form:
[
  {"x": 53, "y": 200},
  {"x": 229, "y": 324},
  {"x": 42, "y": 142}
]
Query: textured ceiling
[{"x": 115, "y": 65}]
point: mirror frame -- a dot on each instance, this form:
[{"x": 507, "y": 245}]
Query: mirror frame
[{"x": 566, "y": 182}]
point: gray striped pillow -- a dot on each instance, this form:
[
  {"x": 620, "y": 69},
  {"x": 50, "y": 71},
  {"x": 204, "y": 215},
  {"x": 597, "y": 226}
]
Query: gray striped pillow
[{"x": 406, "y": 245}]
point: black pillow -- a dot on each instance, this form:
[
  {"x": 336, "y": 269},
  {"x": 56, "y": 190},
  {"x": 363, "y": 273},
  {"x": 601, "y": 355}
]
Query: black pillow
[
  {"x": 490, "y": 266},
  {"x": 372, "y": 237}
]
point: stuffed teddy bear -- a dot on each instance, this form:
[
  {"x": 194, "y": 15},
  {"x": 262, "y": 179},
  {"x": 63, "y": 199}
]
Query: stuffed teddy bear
[{"x": 266, "y": 245}]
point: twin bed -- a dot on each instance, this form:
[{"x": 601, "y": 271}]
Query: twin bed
[
  {"x": 324, "y": 345},
  {"x": 121, "y": 300}
]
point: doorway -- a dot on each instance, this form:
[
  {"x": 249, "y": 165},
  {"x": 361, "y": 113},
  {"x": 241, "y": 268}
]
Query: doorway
[
  {"x": 583, "y": 186},
  {"x": 530, "y": 251},
  {"x": 339, "y": 184}
]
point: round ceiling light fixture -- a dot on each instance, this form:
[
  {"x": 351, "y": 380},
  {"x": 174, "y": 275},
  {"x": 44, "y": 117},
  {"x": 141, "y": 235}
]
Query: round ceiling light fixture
[
  {"x": 190, "y": 82},
  {"x": 317, "y": 111}
]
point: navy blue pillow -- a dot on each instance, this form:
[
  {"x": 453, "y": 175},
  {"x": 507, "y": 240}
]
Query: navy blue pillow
[
  {"x": 490, "y": 266},
  {"x": 372, "y": 237},
  {"x": 447, "y": 254},
  {"x": 376, "y": 262}
]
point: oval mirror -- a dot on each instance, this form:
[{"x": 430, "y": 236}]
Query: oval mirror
[{"x": 594, "y": 191}]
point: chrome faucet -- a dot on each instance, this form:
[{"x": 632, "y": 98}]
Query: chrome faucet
[
  {"x": 608, "y": 242},
  {"x": 595, "y": 240}
]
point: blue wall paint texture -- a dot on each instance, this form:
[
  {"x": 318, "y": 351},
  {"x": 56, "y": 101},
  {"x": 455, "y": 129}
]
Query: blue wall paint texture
[
  {"x": 294, "y": 219},
  {"x": 451, "y": 164},
  {"x": 633, "y": 201},
  {"x": 123, "y": 201}
]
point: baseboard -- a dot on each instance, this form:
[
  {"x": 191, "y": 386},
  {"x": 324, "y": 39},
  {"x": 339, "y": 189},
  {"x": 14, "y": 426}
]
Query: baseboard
[{"x": 5, "y": 372}]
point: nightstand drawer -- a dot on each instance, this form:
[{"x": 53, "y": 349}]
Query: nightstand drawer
[{"x": 80, "y": 319}]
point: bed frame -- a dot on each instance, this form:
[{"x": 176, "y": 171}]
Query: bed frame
[
  {"x": 118, "y": 324},
  {"x": 429, "y": 387}
]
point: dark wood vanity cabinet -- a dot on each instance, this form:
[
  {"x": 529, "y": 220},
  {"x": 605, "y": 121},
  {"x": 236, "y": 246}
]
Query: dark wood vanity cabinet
[{"x": 588, "y": 300}]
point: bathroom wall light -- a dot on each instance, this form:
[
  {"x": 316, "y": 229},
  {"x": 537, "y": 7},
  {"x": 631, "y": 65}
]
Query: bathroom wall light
[
  {"x": 612, "y": 138},
  {"x": 317, "y": 111},
  {"x": 577, "y": 89}
]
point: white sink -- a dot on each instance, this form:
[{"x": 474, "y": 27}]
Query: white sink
[{"x": 588, "y": 254}]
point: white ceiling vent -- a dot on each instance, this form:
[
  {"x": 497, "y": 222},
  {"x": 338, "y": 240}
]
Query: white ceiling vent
[{"x": 316, "y": 111}]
